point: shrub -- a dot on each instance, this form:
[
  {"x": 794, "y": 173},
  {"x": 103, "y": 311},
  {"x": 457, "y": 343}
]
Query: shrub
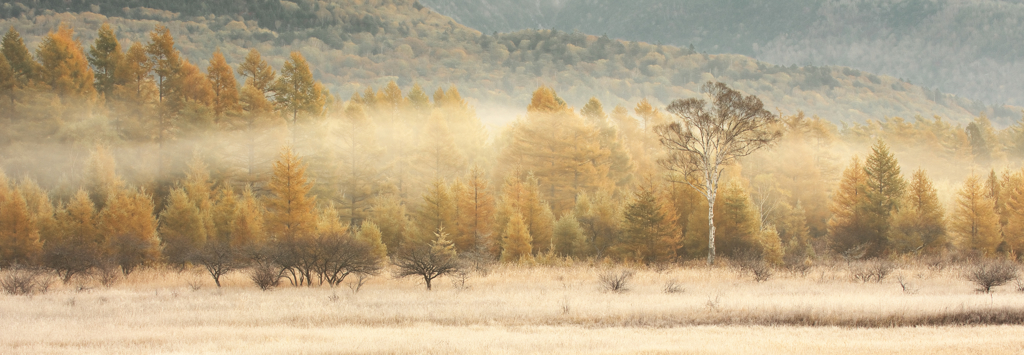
[
  {"x": 428, "y": 260},
  {"x": 672, "y": 286},
  {"x": 754, "y": 263},
  {"x": 265, "y": 276},
  {"x": 616, "y": 281},
  {"x": 991, "y": 273},
  {"x": 20, "y": 280},
  {"x": 873, "y": 270}
]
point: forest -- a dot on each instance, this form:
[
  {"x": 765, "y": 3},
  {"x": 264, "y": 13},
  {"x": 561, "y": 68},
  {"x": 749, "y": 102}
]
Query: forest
[
  {"x": 119, "y": 158},
  {"x": 352, "y": 45},
  {"x": 957, "y": 47}
]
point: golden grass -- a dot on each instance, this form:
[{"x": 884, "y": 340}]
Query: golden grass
[{"x": 522, "y": 310}]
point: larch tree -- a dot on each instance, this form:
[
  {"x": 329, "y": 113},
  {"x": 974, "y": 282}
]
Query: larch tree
[
  {"x": 78, "y": 246},
  {"x": 738, "y": 222},
  {"x": 1013, "y": 191},
  {"x": 129, "y": 229},
  {"x": 476, "y": 212},
  {"x": 13, "y": 48},
  {"x": 105, "y": 55},
  {"x": 290, "y": 209},
  {"x": 438, "y": 209},
  {"x": 257, "y": 106},
  {"x": 101, "y": 179},
  {"x": 297, "y": 92},
  {"x": 19, "y": 238},
  {"x": 135, "y": 92},
  {"x": 165, "y": 60},
  {"x": 620, "y": 164},
  {"x": 522, "y": 197},
  {"x": 919, "y": 224},
  {"x": 182, "y": 233},
  {"x": 65, "y": 67},
  {"x": 438, "y": 156},
  {"x": 516, "y": 242},
  {"x": 225, "y": 87},
  {"x": 8, "y": 82},
  {"x": 974, "y": 221},
  {"x": 248, "y": 229},
  {"x": 884, "y": 191},
  {"x": 370, "y": 235},
  {"x": 710, "y": 135},
  {"x": 848, "y": 223}
]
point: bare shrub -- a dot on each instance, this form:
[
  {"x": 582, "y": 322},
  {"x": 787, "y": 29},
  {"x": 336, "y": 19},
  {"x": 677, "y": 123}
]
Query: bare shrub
[
  {"x": 673, "y": 286},
  {"x": 265, "y": 276},
  {"x": 459, "y": 279},
  {"x": 873, "y": 270},
  {"x": 991, "y": 273},
  {"x": 359, "y": 282},
  {"x": 616, "y": 281},
  {"x": 755, "y": 264},
  {"x": 20, "y": 280}
]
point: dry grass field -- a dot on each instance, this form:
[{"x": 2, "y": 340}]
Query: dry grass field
[{"x": 514, "y": 310}]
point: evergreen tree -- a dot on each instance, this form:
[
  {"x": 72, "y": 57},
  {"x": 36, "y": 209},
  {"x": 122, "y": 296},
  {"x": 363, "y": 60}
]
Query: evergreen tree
[
  {"x": 390, "y": 215},
  {"x": 78, "y": 246},
  {"x": 919, "y": 224},
  {"x": 359, "y": 155},
  {"x": 438, "y": 209},
  {"x": 974, "y": 221},
  {"x": 105, "y": 56},
  {"x": 257, "y": 72},
  {"x": 620, "y": 165},
  {"x": 248, "y": 229},
  {"x": 884, "y": 191},
  {"x": 600, "y": 216},
  {"x": 649, "y": 227},
  {"x": 523, "y": 197},
  {"x": 371, "y": 235},
  {"x": 1013, "y": 231},
  {"x": 102, "y": 180},
  {"x": 25, "y": 68},
  {"x": 567, "y": 239},
  {"x": 439, "y": 158},
  {"x": 164, "y": 59},
  {"x": 737, "y": 223}
]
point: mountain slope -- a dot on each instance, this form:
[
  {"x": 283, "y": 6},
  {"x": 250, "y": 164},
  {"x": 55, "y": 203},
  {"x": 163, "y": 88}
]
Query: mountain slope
[
  {"x": 357, "y": 44},
  {"x": 970, "y": 48}
]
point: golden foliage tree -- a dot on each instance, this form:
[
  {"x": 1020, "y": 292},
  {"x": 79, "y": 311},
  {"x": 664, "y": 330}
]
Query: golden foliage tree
[
  {"x": 290, "y": 209},
  {"x": 181, "y": 228},
  {"x": 516, "y": 242},
  {"x": 920, "y": 223},
  {"x": 65, "y": 67},
  {"x": 224, "y": 85},
  {"x": 105, "y": 55},
  {"x": 476, "y": 212},
  {"x": 848, "y": 222},
  {"x": 650, "y": 233},
  {"x": 974, "y": 221},
  {"x": 129, "y": 229},
  {"x": 19, "y": 238}
]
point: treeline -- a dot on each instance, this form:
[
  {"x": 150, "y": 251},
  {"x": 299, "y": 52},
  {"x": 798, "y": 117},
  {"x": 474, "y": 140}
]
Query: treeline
[
  {"x": 205, "y": 177},
  {"x": 357, "y": 44}
]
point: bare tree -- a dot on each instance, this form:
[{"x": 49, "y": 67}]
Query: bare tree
[
  {"x": 429, "y": 260},
  {"x": 709, "y": 136}
]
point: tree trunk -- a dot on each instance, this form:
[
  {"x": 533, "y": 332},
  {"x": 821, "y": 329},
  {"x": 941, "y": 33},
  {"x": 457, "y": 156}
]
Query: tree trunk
[
  {"x": 427, "y": 279},
  {"x": 710, "y": 186}
]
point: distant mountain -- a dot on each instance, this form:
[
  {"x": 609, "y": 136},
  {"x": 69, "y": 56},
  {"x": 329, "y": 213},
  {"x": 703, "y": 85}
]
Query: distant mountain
[
  {"x": 970, "y": 48},
  {"x": 353, "y": 45}
]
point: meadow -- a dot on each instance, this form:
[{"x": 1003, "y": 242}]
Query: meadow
[{"x": 511, "y": 309}]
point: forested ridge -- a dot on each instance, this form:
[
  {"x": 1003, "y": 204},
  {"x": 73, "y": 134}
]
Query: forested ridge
[
  {"x": 353, "y": 45},
  {"x": 121, "y": 156},
  {"x": 970, "y": 48}
]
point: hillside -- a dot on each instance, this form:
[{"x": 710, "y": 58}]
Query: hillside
[
  {"x": 970, "y": 48},
  {"x": 354, "y": 45}
]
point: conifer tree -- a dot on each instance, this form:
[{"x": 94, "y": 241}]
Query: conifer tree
[
  {"x": 181, "y": 229},
  {"x": 257, "y": 72},
  {"x": 884, "y": 191},
  {"x": 13, "y": 47},
  {"x": 1013, "y": 191},
  {"x": 390, "y": 215},
  {"x": 105, "y": 56},
  {"x": 649, "y": 227},
  {"x": 129, "y": 230},
  {"x": 135, "y": 92},
  {"x": 297, "y": 92},
  {"x": 848, "y": 223},
  {"x": 225, "y": 88},
  {"x": 620, "y": 165},
  {"x": 516, "y": 243},
  {"x": 418, "y": 100},
  {"x": 370, "y": 234},
  {"x": 77, "y": 247},
  {"x": 974, "y": 221},
  {"x": 165, "y": 60},
  {"x": 65, "y": 67},
  {"x": 8, "y": 82},
  {"x": 737, "y": 222},
  {"x": 919, "y": 224},
  {"x": 19, "y": 238},
  {"x": 600, "y": 215},
  {"x": 523, "y": 197},
  {"x": 476, "y": 212},
  {"x": 567, "y": 239},
  {"x": 199, "y": 190},
  {"x": 248, "y": 229},
  {"x": 290, "y": 209},
  {"x": 438, "y": 208}
]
